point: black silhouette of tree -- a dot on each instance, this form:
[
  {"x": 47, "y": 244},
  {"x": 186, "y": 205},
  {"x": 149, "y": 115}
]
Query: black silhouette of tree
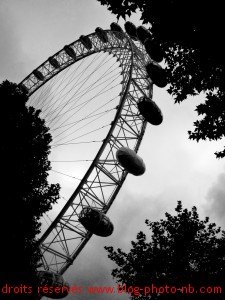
[
  {"x": 25, "y": 191},
  {"x": 190, "y": 33},
  {"x": 184, "y": 251}
]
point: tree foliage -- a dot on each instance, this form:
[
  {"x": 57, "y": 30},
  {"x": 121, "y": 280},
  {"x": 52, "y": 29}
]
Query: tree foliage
[
  {"x": 25, "y": 191},
  {"x": 190, "y": 33},
  {"x": 183, "y": 250}
]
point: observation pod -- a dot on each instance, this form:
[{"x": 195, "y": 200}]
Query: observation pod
[
  {"x": 101, "y": 34},
  {"x": 70, "y": 52},
  {"x": 85, "y": 40},
  {"x": 130, "y": 161},
  {"x": 143, "y": 34},
  {"x": 117, "y": 30},
  {"x": 53, "y": 61},
  {"x": 150, "y": 111},
  {"x": 153, "y": 50},
  {"x": 58, "y": 288},
  {"x": 157, "y": 74},
  {"x": 131, "y": 30},
  {"x": 96, "y": 221},
  {"x": 38, "y": 75}
]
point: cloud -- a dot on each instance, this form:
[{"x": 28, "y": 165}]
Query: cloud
[
  {"x": 11, "y": 58},
  {"x": 216, "y": 201}
]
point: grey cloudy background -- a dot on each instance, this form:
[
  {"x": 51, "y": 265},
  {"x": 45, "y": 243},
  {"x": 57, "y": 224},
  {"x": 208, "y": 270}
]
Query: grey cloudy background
[{"x": 177, "y": 168}]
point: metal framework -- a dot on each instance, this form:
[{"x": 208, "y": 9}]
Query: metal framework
[{"x": 66, "y": 237}]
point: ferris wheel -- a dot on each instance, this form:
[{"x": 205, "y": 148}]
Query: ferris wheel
[{"x": 95, "y": 96}]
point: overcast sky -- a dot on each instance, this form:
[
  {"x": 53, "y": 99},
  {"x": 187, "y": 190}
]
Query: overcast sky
[{"x": 177, "y": 168}]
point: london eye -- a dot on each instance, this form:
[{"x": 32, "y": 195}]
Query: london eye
[{"x": 95, "y": 96}]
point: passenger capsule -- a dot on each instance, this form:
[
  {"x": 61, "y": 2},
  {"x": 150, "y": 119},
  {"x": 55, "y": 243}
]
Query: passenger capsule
[
  {"x": 157, "y": 74},
  {"x": 130, "y": 161},
  {"x": 95, "y": 221},
  {"x": 38, "y": 75},
  {"x": 54, "y": 62},
  {"x": 117, "y": 30},
  {"x": 85, "y": 40},
  {"x": 131, "y": 29},
  {"x": 150, "y": 111},
  {"x": 59, "y": 287},
  {"x": 143, "y": 33},
  {"x": 153, "y": 50},
  {"x": 69, "y": 51},
  {"x": 101, "y": 34}
]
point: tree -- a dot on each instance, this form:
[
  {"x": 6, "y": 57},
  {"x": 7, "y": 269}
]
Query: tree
[
  {"x": 190, "y": 33},
  {"x": 184, "y": 251},
  {"x": 25, "y": 191}
]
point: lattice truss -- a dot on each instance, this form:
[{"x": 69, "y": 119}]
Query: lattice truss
[{"x": 66, "y": 237}]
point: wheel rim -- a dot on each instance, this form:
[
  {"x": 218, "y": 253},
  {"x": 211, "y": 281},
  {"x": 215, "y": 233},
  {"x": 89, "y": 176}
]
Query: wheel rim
[{"x": 65, "y": 237}]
